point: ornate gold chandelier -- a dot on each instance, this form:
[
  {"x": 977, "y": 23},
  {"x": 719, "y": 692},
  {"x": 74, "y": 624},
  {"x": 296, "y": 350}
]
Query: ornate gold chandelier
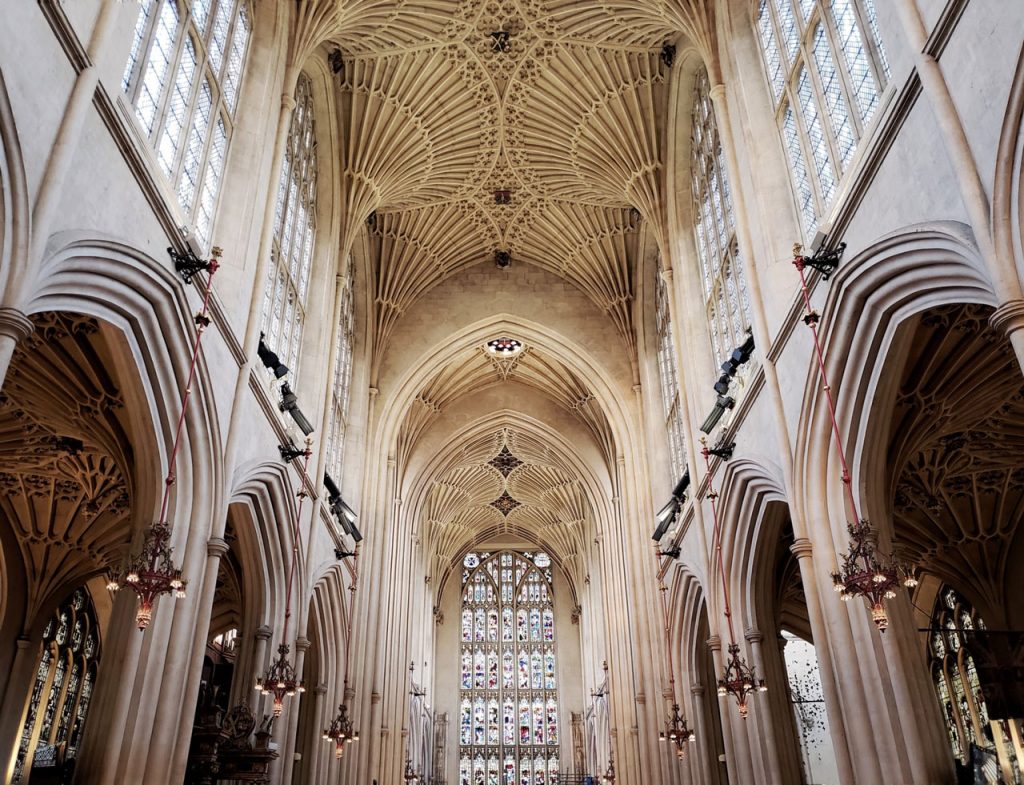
[
  {"x": 282, "y": 679},
  {"x": 151, "y": 572},
  {"x": 678, "y": 732},
  {"x": 739, "y": 679},
  {"x": 341, "y": 733},
  {"x": 864, "y": 571}
]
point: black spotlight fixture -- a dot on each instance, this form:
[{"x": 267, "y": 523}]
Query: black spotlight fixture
[
  {"x": 290, "y": 403},
  {"x": 344, "y": 514},
  {"x": 825, "y": 261},
  {"x": 722, "y": 405},
  {"x": 270, "y": 359},
  {"x": 289, "y": 452},
  {"x": 340, "y": 554},
  {"x": 667, "y": 515},
  {"x": 188, "y": 264},
  {"x": 739, "y": 355},
  {"x": 671, "y": 553}
]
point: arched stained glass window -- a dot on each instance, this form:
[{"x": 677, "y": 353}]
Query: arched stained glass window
[
  {"x": 284, "y": 301},
  {"x": 182, "y": 77},
  {"x": 342, "y": 384},
  {"x": 826, "y": 69},
  {"x": 509, "y": 726},
  {"x": 726, "y": 301},
  {"x": 670, "y": 396},
  {"x": 959, "y": 690},
  {"x": 64, "y": 680}
]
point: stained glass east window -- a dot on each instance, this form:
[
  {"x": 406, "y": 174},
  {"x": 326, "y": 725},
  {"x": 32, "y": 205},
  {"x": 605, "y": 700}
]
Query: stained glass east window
[{"x": 508, "y": 714}]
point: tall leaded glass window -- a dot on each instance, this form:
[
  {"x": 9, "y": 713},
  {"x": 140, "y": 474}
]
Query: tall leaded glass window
[
  {"x": 670, "y": 396},
  {"x": 959, "y": 691},
  {"x": 807, "y": 698},
  {"x": 62, "y": 689},
  {"x": 826, "y": 70},
  {"x": 726, "y": 301},
  {"x": 508, "y": 713},
  {"x": 182, "y": 76},
  {"x": 284, "y": 302},
  {"x": 342, "y": 383}
]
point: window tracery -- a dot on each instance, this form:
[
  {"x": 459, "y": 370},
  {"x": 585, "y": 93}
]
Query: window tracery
[
  {"x": 62, "y": 688},
  {"x": 182, "y": 76},
  {"x": 726, "y": 301},
  {"x": 826, "y": 69},
  {"x": 959, "y": 690},
  {"x": 284, "y": 300},
  {"x": 342, "y": 383},
  {"x": 509, "y": 726},
  {"x": 669, "y": 376}
]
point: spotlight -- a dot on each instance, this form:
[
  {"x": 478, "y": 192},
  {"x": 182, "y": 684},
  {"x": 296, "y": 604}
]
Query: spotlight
[
  {"x": 344, "y": 514},
  {"x": 667, "y": 515},
  {"x": 289, "y": 452},
  {"x": 723, "y": 404},
  {"x": 341, "y": 554},
  {"x": 290, "y": 403},
  {"x": 672, "y": 553},
  {"x": 270, "y": 359},
  {"x": 722, "y": 385}
]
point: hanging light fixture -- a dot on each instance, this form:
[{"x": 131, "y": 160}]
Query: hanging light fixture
[
  {"x": 410, "y": 775},
  {"x": 677, "y": 731},
  {"x": 609, "y": 774},
  {"x": 282, "y": 679},
  {"x": 340, "y": 730},
  {"x": 865, "y": 571},
  {"x": 739, "y": 679},
  {"x": 151, "y": 572},
  {"x": 341, "y": 733}
]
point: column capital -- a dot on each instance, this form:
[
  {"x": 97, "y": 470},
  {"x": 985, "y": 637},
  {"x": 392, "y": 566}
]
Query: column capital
[
  {"x": 288, "y": 102},
  {"x": 801, "y": 548},
  {"x": 302, "y": 644},
  {"x": 15, "y": 324},
  {"x": 320, "y": 689},
  {"x": 717, "y": 91},
  {"x": 263, "y": 633},
  {"x": 217, "y": 546},
  {"x": 697, "y": 689},
  {"x": 1008, "y": 317},
  {"x": 752, "y": 635},
  {"x": 715, "y": 642},
  {"x": 23, "y": 642}
]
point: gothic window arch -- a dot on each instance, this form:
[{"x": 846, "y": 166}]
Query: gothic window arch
[
  {"x": 508, "y": 701},
  {"x": 669, "y": 377},
  {"x": 958, "y": 688},
  {"x": 62, "y": 688},
  {"x": 341, "y": 386},
  {"x": 826, "y": 69},
  {"x": 284, "y": 300},
  {"x": 183, "y": 76},
  {"x": 726, "y": 301}
]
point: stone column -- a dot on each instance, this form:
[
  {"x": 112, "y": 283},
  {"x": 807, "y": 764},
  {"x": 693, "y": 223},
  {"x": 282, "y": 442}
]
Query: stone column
[
  {"x": 763, "y": 714},
  {"x": 12, "y": 711},
  {"x": 803, "y": 550},
  {"x": 14, "y": 328},
  {"x": 704, "y": 755}
]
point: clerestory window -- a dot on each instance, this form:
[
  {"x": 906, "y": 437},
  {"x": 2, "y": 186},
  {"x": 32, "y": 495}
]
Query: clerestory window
[
  {"x": 826, "y": 69},
  {"x": 183, "y": 76}
]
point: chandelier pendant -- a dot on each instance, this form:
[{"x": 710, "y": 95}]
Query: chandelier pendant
[
  {"x": 864, "y": 571},
  {"x": 281, "y": 680},
  {"x": 341, "y": 733},
  {"x": 869, "y": 574},
  {"x": 739, "y": 680},
  {"x": 678, "y": 732},
  {"x": 150, "y": 573}
]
